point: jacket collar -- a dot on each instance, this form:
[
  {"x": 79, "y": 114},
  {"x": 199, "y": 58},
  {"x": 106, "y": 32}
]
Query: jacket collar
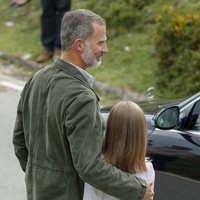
[{"x": 73, "y": 71}]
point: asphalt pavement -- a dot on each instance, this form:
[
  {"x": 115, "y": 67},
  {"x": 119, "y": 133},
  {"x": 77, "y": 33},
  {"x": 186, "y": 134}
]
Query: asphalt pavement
[{"x": 12, "y": 184}]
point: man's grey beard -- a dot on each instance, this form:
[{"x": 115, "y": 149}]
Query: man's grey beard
[
  {"x": 96, "y": 64},
  {"x": 89, "y": 58}
]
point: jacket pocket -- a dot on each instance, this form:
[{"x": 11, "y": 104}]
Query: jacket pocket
[{"x": 43, "y": 182}]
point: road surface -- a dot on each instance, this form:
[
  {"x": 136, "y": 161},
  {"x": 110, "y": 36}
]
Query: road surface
[{"x": 12, "y": 184}]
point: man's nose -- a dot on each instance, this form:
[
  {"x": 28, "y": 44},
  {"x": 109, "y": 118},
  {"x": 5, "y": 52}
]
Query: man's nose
[{"x": 104, "y": 49}]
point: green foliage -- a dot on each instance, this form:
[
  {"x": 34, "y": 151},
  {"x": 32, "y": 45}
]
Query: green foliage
[
  {"x": 177, "y": 42},
  {"x": 121, "y": 16}
]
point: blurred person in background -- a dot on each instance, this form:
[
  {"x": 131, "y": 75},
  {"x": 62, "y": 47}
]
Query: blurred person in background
[{"x": 52, "y": 13}]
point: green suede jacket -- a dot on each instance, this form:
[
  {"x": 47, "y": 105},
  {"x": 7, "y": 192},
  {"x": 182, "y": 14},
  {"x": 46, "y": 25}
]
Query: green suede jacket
[{"x": 58, "y": 136}]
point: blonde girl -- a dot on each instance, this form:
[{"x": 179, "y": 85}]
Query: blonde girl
[{"x": 124, "y": 146}]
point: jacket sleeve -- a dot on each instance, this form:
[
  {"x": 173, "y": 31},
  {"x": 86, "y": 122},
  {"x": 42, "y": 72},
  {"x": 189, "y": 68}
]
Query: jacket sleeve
[
  {"x": 19, "y": 140},
  {"x": 84, "y": 132}
]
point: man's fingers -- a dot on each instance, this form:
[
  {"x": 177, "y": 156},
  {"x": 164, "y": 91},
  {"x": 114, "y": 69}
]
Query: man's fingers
[
  {"x": 150, "y": 183},
  {"x": 149, "y": 193}
]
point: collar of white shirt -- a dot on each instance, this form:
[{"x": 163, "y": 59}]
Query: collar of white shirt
[{"x": 90, "y": 79}]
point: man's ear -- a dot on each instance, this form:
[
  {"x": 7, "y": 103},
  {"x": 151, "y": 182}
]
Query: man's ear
[{"x": 78, "y": 45}]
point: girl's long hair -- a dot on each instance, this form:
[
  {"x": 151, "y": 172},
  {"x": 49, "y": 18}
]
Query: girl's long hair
[{"x": 125, "y": 142}]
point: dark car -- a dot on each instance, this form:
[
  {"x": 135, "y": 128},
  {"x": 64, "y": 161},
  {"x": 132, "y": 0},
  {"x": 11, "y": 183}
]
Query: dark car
[{"x": 174, "y": 147}]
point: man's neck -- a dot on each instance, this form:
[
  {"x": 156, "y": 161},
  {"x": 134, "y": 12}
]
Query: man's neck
[{"x": 73, "y": 59}]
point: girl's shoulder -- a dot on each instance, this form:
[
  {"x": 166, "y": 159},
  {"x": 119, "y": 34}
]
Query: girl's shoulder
[
  {"x": 149, "y": 174},
  {"x": 149, "y": 165},
  {"x": 150, "y": 169}
]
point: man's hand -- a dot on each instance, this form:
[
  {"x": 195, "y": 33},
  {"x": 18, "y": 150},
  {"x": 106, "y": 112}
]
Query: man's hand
[{"x": 149, "y": 193}]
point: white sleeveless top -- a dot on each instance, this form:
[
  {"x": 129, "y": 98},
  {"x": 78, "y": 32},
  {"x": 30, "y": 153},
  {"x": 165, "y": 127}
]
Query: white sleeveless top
[{"x": 91, "y": 193}]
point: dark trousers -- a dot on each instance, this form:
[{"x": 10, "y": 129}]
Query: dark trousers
[{"x": 52, "y": 13}]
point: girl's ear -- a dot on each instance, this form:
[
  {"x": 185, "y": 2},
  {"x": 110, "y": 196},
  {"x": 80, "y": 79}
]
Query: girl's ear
[{"x": 78, "y": 45}]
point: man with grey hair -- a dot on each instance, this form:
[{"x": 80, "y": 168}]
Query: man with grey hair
[{"x": 59, "y": 129}]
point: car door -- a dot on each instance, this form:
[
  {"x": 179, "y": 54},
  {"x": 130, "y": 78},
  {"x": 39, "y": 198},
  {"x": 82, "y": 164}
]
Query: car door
[{"x": 176, "y": 158}]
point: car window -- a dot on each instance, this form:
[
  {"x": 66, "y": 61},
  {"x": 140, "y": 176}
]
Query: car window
[
  {"x": 197, "y": 124},
  {"x": 193, "y": 122}
]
